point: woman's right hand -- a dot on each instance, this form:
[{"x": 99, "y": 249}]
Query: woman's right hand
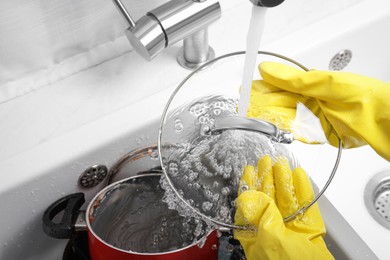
[{"x": 351, "y": 107}]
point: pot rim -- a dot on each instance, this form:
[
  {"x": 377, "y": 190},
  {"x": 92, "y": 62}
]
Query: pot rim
[{"x": 109, "y": 188}]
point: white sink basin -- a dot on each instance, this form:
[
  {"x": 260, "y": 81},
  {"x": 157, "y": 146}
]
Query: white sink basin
[
  {"x": 48, "y": 167},
  {"x": 36, "y": 195}
]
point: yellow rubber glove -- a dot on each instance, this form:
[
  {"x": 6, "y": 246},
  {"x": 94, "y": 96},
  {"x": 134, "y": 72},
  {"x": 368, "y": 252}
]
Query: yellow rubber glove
[
  {"x": 350, "y": 106},
  {"x": 276, "y": 192}
]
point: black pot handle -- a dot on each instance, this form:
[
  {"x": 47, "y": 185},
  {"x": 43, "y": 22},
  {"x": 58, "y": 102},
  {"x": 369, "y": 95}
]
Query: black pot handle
[{"x": 70, "y": 205}]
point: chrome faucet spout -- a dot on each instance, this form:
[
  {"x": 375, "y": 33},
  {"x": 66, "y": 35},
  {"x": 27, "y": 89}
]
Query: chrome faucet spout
[
  {"x": 171, "y": 22},
  {"x": 267, "y": 3}
]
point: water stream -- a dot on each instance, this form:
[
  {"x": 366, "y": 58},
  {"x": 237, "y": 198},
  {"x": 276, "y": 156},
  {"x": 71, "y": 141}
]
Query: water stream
[{"x": 255, "y": 33}]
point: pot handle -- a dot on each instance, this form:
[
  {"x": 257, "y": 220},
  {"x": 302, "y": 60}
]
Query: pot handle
[{"x": 70, "y": 206}]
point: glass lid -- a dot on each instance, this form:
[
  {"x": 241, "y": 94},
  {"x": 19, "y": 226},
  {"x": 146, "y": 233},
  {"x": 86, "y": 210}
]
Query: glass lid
[{"x": 204, "y": 146}]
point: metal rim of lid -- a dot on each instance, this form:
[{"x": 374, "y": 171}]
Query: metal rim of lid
[{"x": 164, "y": 168}]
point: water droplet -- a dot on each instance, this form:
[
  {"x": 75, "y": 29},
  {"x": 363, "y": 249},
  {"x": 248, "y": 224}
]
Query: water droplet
[
  {"x": 229, "y": 248},
  {"x": 173, "y": 169},
  {"x": 206, "y": 206},
  {"x": 225, "y": 191},
  {"x": 205, "y": 130},
  {"x": 215, "y": 197},
  {"x": 217, "y": 111},
  {"x": 178, "y": 125},
  {"x": 164, "y": 222},
  {"x": 208, "y": 193},
  {"x": 154, "y": 154},
  {"x": 226, "y": 175},
  {"x": 244, "y": 188}
]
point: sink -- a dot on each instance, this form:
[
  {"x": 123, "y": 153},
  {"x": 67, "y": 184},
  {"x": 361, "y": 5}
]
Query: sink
[
  {"x": 47, "y": 167},
  {"x": 342, "y": 240}
]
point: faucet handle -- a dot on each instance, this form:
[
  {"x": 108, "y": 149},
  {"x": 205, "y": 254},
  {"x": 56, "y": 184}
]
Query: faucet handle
[
  {"x": 146, "y": 35},
  {"x": 124, "y": 13},
  {"x": 266, "y": 3}
]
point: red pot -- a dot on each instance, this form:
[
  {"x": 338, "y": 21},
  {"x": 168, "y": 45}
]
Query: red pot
[
  {"x": 128, "y": 220},
  {"x": 101, "y": 250}
]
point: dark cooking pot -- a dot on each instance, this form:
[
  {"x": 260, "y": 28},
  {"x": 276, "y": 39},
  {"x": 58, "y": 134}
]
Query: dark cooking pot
[{"x": 128, "y": 220}]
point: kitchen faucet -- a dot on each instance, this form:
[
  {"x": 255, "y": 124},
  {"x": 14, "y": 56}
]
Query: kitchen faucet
[
  {"x": 176, "y": 20},
  {"x": 171, "y": 22}
]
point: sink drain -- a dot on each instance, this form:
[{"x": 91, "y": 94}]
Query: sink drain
[
  {"x": 382, "y": 201},
  {"x": 92, "y": 176},
  {"x": 340, "y": 60},
  {"x": 377, "y": 198}
]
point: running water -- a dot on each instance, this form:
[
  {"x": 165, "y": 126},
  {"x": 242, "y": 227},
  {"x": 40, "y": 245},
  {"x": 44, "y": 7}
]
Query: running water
[{"x": 255, "y": 32}]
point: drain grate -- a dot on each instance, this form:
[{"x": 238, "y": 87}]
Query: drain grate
[
  {"x": 382, "y": 201},
  {"x": 340, "y": 60},
  {"x": 92, "y": 176},
  {"x": 377, "y": 198}
]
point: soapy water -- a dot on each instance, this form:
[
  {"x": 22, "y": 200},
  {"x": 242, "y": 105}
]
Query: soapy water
[
  {"x": 205, "y": 169},
  {"x": 133, "y": 217}
]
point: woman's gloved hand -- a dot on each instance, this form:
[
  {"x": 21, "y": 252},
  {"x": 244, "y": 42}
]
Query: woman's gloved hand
[
  {"x": 352, "y": 107},
  {"x": 272, "y": 193}
]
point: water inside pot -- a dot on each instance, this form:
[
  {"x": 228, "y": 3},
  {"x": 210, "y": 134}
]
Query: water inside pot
[{"x": 131, "y": 216}]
